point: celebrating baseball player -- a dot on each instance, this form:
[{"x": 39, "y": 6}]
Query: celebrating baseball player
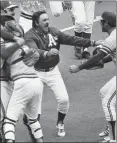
[
  {"x": 21, "y": 61},
  {"x": 108, "y": 91},
  {"x": 82, "y": 13},
  {"x": 47, "y": 40}
]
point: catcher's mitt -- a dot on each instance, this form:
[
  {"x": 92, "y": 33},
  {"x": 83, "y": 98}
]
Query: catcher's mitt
[
  {"x": 31, "y": 56},
  {"x": 13, "y": 27}
]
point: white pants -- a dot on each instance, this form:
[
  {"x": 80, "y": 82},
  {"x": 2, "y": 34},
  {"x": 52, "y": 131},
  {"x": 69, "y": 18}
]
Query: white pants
[
  {"x": 6, "y": 92},
  {"x": 25, "y": 23},
  {"x": 83, "y": 13},
  {"x": 26, "y": 96},
  {"x": 54, "y": 80},
  {"x": 108, "y": 96}
]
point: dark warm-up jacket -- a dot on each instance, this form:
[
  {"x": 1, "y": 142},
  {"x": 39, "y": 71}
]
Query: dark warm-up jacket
[{"x": 36, "y": 39}]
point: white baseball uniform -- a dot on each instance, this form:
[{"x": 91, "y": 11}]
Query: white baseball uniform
[
  {"x": 83, "y": 13},
  {"x": 26, "y": 95},
  {"x": 108, "y": 91},
  {"x": 54, "y": 81}
]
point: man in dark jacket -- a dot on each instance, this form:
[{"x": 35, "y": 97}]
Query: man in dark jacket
[{"x": 47, "y": 40}]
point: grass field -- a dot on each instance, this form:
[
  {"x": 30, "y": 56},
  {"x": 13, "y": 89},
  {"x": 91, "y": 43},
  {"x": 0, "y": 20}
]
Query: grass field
[{"x": 85, "y": 118}]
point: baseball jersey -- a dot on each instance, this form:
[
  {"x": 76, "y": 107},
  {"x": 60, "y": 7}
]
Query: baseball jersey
[
  {"x": 19, "y": 69},
  {"x": 53, "y": 39},
  {"x": 109, "y": 45}
]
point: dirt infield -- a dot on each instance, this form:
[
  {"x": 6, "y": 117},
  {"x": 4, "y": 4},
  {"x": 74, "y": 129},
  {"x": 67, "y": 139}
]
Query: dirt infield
[{"x": 85, "y": 118}]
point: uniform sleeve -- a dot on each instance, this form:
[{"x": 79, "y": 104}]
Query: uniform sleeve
[
  {"x": 73, "y": 40},
  {"x": 92, "y": 61},
  {"x": 31, "y": 42},
  {"x": 108, "y": 45}
]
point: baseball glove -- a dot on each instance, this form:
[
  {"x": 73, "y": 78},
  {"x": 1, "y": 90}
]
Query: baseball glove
[
  {"x": 31, "y": 56},
  {"x": 13, "y": 27}
]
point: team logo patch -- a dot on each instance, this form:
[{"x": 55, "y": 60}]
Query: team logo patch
[{"x": 52, "y": 40}]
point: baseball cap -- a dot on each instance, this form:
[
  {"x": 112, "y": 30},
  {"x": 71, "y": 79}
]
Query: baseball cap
[
  {"x": 7, "y": 4},
  {"x": 110, "y": 17}
]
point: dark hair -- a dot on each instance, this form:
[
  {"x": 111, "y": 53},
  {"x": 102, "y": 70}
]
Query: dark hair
[
  {"x": 36, "y": 16},
  {"x": 109, "y": 17}
]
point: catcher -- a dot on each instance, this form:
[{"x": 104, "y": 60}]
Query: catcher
[{"x": 20, "y": 60}]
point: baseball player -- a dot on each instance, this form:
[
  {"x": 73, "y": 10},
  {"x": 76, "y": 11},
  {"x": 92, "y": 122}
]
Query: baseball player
[
  {"x": 82, "y": 13},
  {"x": 108, "y": 91},
  {"x": 6, "y": 83},
  {"x": 7, "y": 50},
  {"x": 47, "y": 40},
  {"x": 25, "y": 78},
  {"x": 27, "y": 8}
]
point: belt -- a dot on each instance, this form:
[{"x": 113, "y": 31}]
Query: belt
[{"x": 45, "y": 70}]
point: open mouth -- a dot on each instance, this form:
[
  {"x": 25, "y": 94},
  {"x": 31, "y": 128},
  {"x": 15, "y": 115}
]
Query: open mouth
[{"x": 46, "y": 25}]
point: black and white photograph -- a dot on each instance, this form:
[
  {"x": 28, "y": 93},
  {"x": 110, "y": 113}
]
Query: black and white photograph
[{"x": 58, "y": 71}]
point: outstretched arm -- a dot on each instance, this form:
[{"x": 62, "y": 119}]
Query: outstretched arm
[
  {"x": 76, "y": 41},
  {"x": 107, "y": 59},
  {"x": 89, "y": 63}
]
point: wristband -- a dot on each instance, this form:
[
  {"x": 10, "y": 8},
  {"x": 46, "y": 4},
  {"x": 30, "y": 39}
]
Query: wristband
[{"x": 24, "y": 48}]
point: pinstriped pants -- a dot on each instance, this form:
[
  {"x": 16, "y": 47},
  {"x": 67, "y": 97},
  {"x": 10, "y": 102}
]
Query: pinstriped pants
[{"x": 108, "y": 96}]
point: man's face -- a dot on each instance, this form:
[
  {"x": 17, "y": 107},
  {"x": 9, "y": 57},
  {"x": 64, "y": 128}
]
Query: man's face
[
  {"x": 10, "y": 11},
  {"x": 44, "y": 22},
  {"x": 103, "y": 25}
]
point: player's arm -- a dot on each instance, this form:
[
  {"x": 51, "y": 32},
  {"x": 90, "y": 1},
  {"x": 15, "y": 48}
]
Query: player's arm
[
  {"x": 92, "y": 61},
  {"x": 7, "y": 49},
  {"x": 106, "y": 59},
  {"x": 7, "y": 35},
  {"x": 75, "y": 41},
  {"x": 102, "y": 52},
  {"x": 88, "y": 64}
]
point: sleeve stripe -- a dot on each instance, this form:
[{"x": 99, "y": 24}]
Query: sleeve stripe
[
  {"x": 106, "y": 48},
  {"x": 103, "y": 50}
]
